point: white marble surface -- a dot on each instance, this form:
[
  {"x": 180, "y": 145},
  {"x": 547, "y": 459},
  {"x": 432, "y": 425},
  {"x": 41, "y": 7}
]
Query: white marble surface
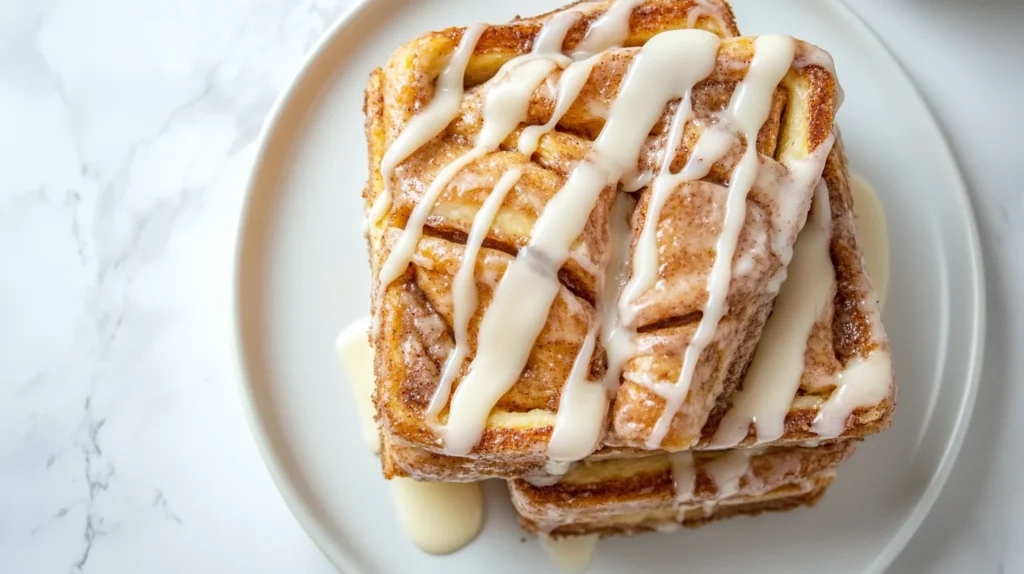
[{"x": 126, "y": 131}]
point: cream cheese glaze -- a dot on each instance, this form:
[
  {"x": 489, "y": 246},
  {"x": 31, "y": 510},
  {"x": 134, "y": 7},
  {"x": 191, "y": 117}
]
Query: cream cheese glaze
[
  {"x": 438, "y": 517},
  {"x": 872, "y": 235},
  {"x": 356, "y": 356}
]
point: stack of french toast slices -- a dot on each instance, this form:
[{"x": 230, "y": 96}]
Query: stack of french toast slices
[{"x": 614, "y": 263}]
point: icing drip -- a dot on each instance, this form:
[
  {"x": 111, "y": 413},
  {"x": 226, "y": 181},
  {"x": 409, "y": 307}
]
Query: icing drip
[
  {"x": 582, "y": 406},
  {"x": 684, "y": 475},
  {"x": 356, "y": 357},
  {"x": 569, "y": 85},
  {"x": 438, "y": 517},
  {"x": 727, "y": 470},
  {"x": 616, "y": 337},
  {"x": 773, "y": 377},
  {"x": 571, "y": 553},
  {"x": 872, "y": 235},
  {"x": 552, "y": 35},
  {"x": 865, "y": 382}
]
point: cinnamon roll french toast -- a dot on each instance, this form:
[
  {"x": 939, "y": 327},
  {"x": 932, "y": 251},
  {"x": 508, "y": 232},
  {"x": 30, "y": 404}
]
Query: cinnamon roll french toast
[{"x": 613, "y": 251}]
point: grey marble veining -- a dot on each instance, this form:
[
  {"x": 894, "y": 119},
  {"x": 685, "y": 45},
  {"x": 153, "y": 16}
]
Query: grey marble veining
[
  {"x": 128, "y": 130},
  {"x": 126, "y": 133}
]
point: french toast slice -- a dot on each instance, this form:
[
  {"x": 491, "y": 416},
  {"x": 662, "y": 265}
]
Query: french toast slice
[
  {"x": 659, "y": 492},
  {"x": 416, "y": 322}
]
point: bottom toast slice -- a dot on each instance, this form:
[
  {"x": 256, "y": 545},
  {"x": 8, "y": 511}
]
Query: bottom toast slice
[
  {"x": 806, "y": 493},
  {"x": 626, "y": 496}
]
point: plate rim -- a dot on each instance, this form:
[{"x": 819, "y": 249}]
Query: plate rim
[
  {"x": 286, "y": 488},
  {"x": 975, "y": 357},
  {"x": 285, "y": 485}
]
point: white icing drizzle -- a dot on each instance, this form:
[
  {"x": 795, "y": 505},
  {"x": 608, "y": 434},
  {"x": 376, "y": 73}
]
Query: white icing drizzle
[
  {"x": 684, "y": 475},
  {"x": 636, "y": 181},
  {"x": 645, "y": 259},
  {"x": 581, "y": 410},
  {"x": 506, "y": 104},
  {"x": 609, "y": 31},
  {"x": 559, "y": 467},
  {"x": 569, "y": 86},
  {"x": 727, "y": 470},
  {"x": 425, "y": 125},
  {"x": 708, "y": 507},
  {"x": 546, "y": 478},
  {"x": 519, "y": 308},
  {"x": 712, "y": 145},
  {"x": 583, "y": 404},
  {"x": 773, "y": 377},
  {"x": 356, "y": 357},
  {"x": 552, "y": 35},
  {"x": 865, "y": 382},
  {"x": 505, "y": 107},
  {"x": 517, "y": 313},
  {"x": 801, "y": 175},
  {"x": 464, "y": 292},
  {"x": 616, "y": 336},
  {"x": 748, "y": 108}
]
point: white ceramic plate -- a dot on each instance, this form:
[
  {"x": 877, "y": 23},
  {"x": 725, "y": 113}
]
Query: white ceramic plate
[{"x": 302, "y": 276}]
